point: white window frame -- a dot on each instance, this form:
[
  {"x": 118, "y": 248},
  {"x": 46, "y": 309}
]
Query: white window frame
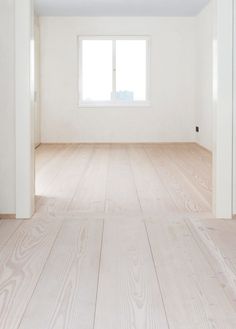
[{"x": 113, "y": 103}]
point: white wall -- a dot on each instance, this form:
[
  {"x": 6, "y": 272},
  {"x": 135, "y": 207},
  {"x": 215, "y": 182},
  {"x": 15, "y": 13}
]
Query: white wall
[
  {"x": 204, "y": 76},
  {"x": 172, "y": 114},
  {"x": 7, "y": 112}
]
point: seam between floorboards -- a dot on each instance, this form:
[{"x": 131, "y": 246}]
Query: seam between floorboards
[
  {"x": 178, "y": 209},
  {"x": 149, "y": 244},
  {"x": 107, "y": 178},
  {"x": 157, "y": 277},
  {"x": 98, "y": 277},
  {"x": 187, "y": 180},
  {"x": 134, "y": 182},
  {"x": 88, "y": 163},
  {"x": 39, "y": 201},
  {"x": 101, "y": 245},
  {"x": 161, "y": 180},
  {"x": 191, "y": 227},
  {"x": 41, "y": 273}
]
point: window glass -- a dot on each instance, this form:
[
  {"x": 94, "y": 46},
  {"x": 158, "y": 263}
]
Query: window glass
[
  {"x": 131, "y": 70},
  {"x": 96, "y": 70}
]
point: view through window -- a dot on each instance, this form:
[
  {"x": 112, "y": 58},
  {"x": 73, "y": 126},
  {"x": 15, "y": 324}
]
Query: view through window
[{"x": 113, "y": 71}]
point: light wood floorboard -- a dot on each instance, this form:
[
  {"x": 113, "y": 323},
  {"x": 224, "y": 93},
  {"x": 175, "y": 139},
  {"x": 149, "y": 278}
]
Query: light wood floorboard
[
  {"x": 153, "y": 196},
  {"x": 184, "y": 193},
  {"x": 60, "y": 192},
  {"x": 122, "y": 198},
  {"x": 66, "y": 292},
  {"x": 193, "y": 296},
  {"x": 122, "y": 238},
  {"x": 21, "y": 262},
  {"x": 7, "y": 229},
  {"x": 90, "y": 195},
  {"x": 129, "y": 295}
]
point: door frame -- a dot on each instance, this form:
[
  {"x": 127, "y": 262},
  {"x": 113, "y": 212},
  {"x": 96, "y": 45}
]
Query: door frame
[
  {"x": 24, "y": 114},
  {"x": 234, "y": 108},
  {"x": 223, "y": 193}
]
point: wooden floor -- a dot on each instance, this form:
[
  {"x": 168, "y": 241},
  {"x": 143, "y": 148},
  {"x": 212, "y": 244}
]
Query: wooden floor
[{"x": 123, "y": 238}]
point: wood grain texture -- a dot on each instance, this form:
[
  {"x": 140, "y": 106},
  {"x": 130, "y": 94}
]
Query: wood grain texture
[
  {"x": 193, "y": 296},
  {"x": 129, "y": 295},
  {"x": 162, "y": 262},
  {"x": 65, "y": 296},
  {"x": 152, "y": 193},
  {"x": 90, "y": 195},
  {"x": 193, "y": 167},
  {"x": 122, "y": 196},
  {"x": 103, "y": 178},
  {"x": 21, "y": 262},
  {"x": 216, "y": 239},
  {"x": 60, "y": 192},
  {"x": 7, "y": 229},
  {"x": 186, "y": 196}
]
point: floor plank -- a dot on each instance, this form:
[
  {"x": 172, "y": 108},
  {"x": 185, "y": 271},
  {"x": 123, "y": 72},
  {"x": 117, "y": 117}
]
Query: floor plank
[
  {"x": 21, "y": 262},
  {"x": 152, "y": 194},
  {"x": 192, "y": 293},
  {"x": 65, "y": 296},
  {"x": 49, "y": 172},
  {"x": 129, "y": 295},
  {"x": 45, "y": 153},
  {"x": 90, "y": 195},
  {"x": 122, "y": 196},
  {"x": 216, "y": 239},
  {"x": 7, "y": 229},
  {"x": 187, "y": 197},
  {"x": 123, "y": 237},
  {"x": 194, "y": 169},
  {"x": 61, "y": 191}
]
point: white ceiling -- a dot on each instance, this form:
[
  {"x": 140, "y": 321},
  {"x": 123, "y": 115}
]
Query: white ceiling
[{"x": 119, "y": 7}]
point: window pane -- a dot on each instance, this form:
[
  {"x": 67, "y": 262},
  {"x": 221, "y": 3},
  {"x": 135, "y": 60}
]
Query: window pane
[
  {"x": 131, "y": 70},
  {"x": 96, "y": 70}
]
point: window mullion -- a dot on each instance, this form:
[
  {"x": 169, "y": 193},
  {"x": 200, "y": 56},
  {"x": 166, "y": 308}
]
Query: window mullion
[{"x": 114, "y": 70}]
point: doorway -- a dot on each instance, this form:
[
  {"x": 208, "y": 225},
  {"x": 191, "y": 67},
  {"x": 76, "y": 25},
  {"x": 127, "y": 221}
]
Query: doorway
[{"x": 223, "y": 119}]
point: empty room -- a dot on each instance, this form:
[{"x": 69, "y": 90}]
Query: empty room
[{"x": 117, "y": 164}]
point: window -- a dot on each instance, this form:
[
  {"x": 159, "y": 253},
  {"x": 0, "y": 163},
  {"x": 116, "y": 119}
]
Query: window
[{"x": 113, "y": 71}]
